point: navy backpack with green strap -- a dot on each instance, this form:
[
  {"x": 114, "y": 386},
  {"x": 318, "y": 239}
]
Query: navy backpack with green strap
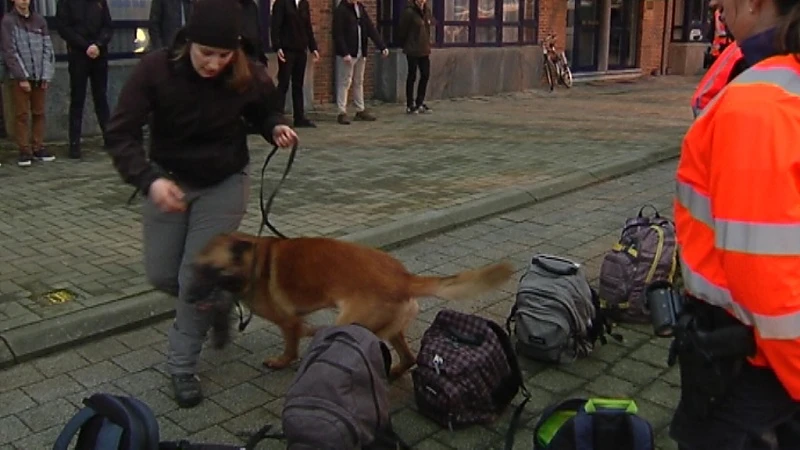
[
  {"x": 114, "y": 422},
  {"x": 593, "y": 424}
]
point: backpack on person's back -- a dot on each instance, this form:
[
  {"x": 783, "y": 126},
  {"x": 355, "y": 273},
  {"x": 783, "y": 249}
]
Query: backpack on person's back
[
  {"x": 646, "y": 252},
  {"x": 556, "y": 315},
  {"x": 339, "y": 398}
]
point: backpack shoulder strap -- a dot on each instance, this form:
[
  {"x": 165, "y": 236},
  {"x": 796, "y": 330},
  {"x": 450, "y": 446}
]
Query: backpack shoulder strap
[
  {"x": 73, "y": 427},
  {"x": 572, "y": 405}
]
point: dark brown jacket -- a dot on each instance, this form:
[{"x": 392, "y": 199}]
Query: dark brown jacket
[
  {"x": 414, "y": 29},
  {"x": 197, "y": 132}
]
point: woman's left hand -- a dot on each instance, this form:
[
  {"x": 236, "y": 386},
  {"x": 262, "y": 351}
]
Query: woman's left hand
[{"x": 284, "y": 136}]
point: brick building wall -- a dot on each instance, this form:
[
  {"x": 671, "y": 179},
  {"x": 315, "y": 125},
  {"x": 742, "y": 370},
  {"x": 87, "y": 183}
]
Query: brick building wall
[
  {"x": 652, "y": 35},
  {"x": 552, "y": 17}
]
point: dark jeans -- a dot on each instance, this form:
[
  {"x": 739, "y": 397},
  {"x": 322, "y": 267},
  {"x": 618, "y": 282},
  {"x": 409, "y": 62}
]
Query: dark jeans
[
  {"x": 423, "y": 63},
  {"x": 81, "y": 69},
  {"x": 294, "y": 70},
  {"x": 756, "y": 414}
]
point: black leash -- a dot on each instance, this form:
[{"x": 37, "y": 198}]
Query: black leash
[{"x": 265, "y": 209}]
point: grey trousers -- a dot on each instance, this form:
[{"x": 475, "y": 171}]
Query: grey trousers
[{"x": 171, "y": 241}]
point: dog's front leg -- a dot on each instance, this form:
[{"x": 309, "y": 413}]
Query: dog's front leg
[{"x": 292, "y": 331}]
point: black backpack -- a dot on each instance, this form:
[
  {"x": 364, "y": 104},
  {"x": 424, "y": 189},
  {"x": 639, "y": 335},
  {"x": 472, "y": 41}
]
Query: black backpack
[
  {"x": 593, "y": 424},
  {"x": 467, "y": 371},
  {"x": 339, "y": 398},
  {"x": 113, "y": 422}
]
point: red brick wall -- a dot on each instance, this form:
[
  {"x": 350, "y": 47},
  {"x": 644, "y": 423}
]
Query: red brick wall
[
  {"x": 324, "y": 81},
  {"x": 652, "y": 35},
  {"x": 552, "y": 17}
]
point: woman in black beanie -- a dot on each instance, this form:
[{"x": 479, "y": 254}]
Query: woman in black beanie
[{"x": 200, "y": 93}]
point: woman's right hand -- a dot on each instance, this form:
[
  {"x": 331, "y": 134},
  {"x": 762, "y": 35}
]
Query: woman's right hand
[{"x": 167, "y": 196}]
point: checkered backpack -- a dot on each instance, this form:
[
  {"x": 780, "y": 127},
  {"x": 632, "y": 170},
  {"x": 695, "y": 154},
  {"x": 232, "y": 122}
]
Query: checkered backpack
[{"x": 466, "y": 372}]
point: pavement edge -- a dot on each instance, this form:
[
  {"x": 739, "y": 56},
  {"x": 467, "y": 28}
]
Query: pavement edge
[{"x": 40, "y": 338}]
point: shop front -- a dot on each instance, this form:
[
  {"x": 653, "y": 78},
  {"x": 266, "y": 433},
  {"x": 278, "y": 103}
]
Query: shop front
[{"x": 603, "y": 35}]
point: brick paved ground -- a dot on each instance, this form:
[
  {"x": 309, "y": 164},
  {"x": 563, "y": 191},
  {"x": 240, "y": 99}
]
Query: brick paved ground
[
  {"x": 37, "y": 397},
  {"x": 65, "y": 224}
]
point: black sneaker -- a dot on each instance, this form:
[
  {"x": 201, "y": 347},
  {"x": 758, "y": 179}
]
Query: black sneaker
[
  {"x": 423, "y": 109},
  {"x": 411, "y": 110},
  {"x": 43, "y": 155},
  {"x": 188, "y": 392},
  {"x": 304, "y": 123},
  {"x": 25, "y": 160}
]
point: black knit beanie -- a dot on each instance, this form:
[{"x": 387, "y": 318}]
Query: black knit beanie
[{"x": 215, "y": 23}]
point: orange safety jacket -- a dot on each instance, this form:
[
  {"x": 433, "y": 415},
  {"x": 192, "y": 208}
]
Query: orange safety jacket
[
  {"x": 721, "y": 38},
  {"x": 737, "y": 210},
  {"x": 716, "y": 77}
]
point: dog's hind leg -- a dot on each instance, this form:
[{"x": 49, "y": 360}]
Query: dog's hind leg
[
  {"x": 292, "y": 330},
  {"x": 407, "y": 358}
]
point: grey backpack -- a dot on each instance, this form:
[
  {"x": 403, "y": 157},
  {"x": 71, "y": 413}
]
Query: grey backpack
[
  {"x": 338, "y": 399},
  {"x": 646, "y": 252},
  {"x": 555, "y": 314}
]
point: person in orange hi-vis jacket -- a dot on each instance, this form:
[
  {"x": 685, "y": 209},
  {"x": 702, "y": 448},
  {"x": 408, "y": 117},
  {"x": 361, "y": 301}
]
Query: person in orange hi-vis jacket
[
  {"x": 716, "y": 77},
  {"x": 737, "y": 216}
]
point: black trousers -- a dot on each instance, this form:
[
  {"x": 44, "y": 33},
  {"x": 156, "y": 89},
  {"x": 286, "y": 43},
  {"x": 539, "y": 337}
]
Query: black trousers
[
  {"x": 294, "y": 70},
  {"x": 83, "y": 69},
  {"x": 756, "y": 414},
  {"x": 423, "y": 64}
]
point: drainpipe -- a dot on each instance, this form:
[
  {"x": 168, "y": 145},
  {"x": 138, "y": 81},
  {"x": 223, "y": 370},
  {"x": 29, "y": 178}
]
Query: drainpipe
[{"x": 667, "y": 37}]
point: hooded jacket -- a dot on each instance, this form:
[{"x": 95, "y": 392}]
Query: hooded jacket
[
  {"x": 27, "y": 47},
  {"x": 414, "y": 29}
]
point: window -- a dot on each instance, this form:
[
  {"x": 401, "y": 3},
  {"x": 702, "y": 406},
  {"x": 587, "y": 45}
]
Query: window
[
  {"x": 691, "y": 20},
  {"x": 470, "y": 22}
]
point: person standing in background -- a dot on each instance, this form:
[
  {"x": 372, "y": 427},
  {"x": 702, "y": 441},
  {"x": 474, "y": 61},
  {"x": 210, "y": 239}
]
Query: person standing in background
[
  {"x": 85, "y": 25},
  {"x": 166, "y": 18},
  {"x": 351, "y": 26},
  {"x": 414, "y": 32},
  {"x": 28, "y": 54},
  {"x": 292, "y": 36},
  {"x": 252, "y": 32}
]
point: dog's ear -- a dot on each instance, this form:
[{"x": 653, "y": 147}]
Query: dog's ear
[{"x": 238, "y": 248}]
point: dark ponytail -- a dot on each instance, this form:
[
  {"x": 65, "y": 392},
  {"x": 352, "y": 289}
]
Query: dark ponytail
[{"x": 789, "y": 29}]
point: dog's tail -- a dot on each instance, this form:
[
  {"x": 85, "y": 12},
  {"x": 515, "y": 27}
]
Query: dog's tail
[{"x": 463, "y": 285}]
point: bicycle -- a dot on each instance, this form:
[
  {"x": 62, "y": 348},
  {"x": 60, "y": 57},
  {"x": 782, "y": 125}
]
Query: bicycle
[{"x": 556, "y": 65}]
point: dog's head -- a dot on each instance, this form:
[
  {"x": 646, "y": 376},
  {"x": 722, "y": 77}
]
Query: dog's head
[{"x": 225, "y": 264}]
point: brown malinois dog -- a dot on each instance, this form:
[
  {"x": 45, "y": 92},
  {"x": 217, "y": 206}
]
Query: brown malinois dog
[{"x": 282, "y": 280}]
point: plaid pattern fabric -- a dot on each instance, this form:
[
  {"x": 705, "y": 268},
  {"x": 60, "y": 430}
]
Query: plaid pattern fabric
[{"x": 461, "y": 367}]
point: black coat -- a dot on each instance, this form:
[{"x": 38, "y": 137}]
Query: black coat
[
  {"x": 165, "y": 21},
  {"x": 345, "y": 30},
  {"x": 291, "y": 26}
]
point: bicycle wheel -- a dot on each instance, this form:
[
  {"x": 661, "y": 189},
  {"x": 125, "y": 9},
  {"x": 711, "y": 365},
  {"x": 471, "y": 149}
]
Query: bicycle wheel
[
  {"x": 566, "y": 76},
  {"x": 550, "y": 71}
]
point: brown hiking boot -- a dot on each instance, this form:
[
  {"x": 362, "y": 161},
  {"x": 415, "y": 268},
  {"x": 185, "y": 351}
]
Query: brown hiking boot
[
  {"x": 342, "y": 119},
  {"x": 365, "y": 116}
]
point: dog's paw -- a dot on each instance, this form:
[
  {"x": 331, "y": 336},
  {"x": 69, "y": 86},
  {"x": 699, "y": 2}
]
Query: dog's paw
[
  {"x": 398, "y": 370},
  {"x": 280, "y": 362}
]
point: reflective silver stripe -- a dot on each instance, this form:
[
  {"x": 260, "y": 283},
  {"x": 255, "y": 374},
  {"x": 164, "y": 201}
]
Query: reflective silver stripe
[
  {"x": 699, "y": 205},
  {"x": 758, "y": 238},
  {"x": 783, "y": 77},
  {"x": 785, "y": 326},
  {"x": 720, "y": 65}
]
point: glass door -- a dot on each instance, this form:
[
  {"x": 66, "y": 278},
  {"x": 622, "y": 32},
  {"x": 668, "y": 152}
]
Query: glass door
[
  {"x": 583, "y": 34},
  {"x": 623, "y": 46}
]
